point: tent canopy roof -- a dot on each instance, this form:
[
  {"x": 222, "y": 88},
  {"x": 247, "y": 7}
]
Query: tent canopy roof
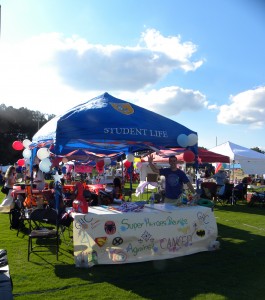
[
  {"x": 106, "y": 124},
  {"x": 204, "y": 156},
  {"x": 252, "y": 162}
]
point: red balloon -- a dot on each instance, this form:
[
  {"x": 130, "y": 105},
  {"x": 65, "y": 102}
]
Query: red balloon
[
  {"x": 17, "y": 145},
  {"x": 100, "y": 164},
  {"x": 188, "y": 156},
  {"x": 21, "y": 162},
  {"x": 127, "y": 164}
]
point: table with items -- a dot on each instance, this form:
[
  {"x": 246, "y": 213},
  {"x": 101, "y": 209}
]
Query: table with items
[
  {"x": 135, "y": 232},
  {"x": 93, "y": 188}
]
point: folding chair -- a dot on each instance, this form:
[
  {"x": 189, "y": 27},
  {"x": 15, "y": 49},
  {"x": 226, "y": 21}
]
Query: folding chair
[
  {"x": 44, "y": 229},
  {"x": 227, "y": 196},
  {"x": 208, "y": 190}
]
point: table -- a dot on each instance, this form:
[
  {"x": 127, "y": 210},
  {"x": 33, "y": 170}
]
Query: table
[
  {"x": 93, "y": 188},
  {"x": 161, "y": 231},
  {"x": 45, "y": 193}
]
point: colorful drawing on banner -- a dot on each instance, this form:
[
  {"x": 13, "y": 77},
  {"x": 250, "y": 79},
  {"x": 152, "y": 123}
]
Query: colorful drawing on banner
[
  {"x": 135, "y": 250},
  {"x": 203, "y": 218},
  {"x": 155, "y": 248},
  {"x": 118, "y": 255},
  {"x": 95, "y": 224},
  {"x": 200, "y": 233},
  {"x": 100, "y": 241},
  {"x": 117, "y": 241},
  {"x": 184, "y": 229},
  {"x": 92, "y": 258},
  {"x": 110, "y": 227},
  {"x": 123, "y": 228},
  {"x": 83, "y": 223},
  {"x": 176, "y": 243},
  {"x": 146, "y": 236}
]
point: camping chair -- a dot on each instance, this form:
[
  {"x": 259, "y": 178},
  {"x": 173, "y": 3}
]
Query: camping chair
[
  {"x": 227, "y": 196},
  {"x": 66, "y": 226},
  {"x": 257, "y": 197},
  {"x": 208, "y": 190},
  {"x": 44, "y": 228}
]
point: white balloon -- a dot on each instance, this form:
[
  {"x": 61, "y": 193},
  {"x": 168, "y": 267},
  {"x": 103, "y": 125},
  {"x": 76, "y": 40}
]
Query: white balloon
[
  {"x": 46, "y": 161},
  {"x": 26, "y": 153},
  {"x": 182, "y": 140},
  {"x": 26, "y": 143},
  {"x": 130, "y": 157},
  {"x": 45, "y": 165},
  {"x": 44, "y": 168},
  {"x": 107, "y": 161},
  {"x": 192, "y": 139},
  {"x": 43, "y": 153}
]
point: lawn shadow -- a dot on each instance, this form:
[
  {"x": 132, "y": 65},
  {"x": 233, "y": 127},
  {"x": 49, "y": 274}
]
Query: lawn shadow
[
  {"x": 233, "y": 272},
  {"x": 242, "y": 207}
]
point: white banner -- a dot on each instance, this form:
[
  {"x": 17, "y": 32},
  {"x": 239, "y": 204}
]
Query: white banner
[{"x": 108, "y": 236}]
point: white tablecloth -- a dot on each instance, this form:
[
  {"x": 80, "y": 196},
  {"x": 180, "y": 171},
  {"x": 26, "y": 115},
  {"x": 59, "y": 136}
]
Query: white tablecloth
[
  {"x": 105, "y": 236},
  {"x": 145, "y": 185}
]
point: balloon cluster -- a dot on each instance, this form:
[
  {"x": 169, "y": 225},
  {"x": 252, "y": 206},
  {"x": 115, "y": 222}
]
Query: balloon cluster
[
  {"x": 43, "y": 154},
  {"x": 18, "y": 145},
  {"x": 129, "y": 160},
  {"x": 187, "y": 140},
  {"x": 45, "y": 163}
]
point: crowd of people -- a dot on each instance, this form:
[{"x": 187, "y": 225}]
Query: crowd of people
[{"x": 176, "y": 180}]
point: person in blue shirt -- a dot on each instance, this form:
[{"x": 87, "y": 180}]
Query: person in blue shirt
[
  {"x": 220, "y": 177},
  {"x": 174, "y": 180}
]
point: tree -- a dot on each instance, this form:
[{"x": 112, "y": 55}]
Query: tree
[
  {"x": 257, "y": 149},
  {"x": 17, "y": 124}
]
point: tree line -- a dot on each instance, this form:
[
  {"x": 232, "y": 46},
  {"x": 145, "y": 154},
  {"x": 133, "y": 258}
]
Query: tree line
[
  {"x": 17, "y": 124},
  {"x": 20, "y": 124}
]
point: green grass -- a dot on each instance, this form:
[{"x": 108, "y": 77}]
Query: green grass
[{"x": 236, "y": 271}]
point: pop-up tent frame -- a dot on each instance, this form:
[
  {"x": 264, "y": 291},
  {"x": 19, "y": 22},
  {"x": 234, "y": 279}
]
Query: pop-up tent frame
[{"x": 106, "y": 125}]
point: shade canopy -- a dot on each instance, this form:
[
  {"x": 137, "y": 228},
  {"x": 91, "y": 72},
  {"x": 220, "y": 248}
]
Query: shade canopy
[
  {"x": 252, "y": 162},
  {"x": 106, "y": 124},
  {"x": 204, "y": 156}
]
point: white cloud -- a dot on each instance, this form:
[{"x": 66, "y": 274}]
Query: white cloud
[
  {"x": 124, "y": 68},
  {"x": 168, "y": 101},
  {"x": 51, "y": 73},
  {"x": 246, "y": 108},
  {"x": 173, "y": 48}
]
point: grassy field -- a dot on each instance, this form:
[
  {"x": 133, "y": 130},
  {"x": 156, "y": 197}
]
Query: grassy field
[{"x": 236, "y": 271}]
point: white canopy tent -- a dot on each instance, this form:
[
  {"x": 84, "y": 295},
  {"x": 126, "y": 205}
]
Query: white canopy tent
[{"x": 252, "y": 162}]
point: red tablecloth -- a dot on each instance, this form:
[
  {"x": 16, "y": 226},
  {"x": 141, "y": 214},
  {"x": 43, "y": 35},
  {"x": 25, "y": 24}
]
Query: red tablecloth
[
  {"x": 15, "y": 193},
  {"x": 93, "y": 188}
]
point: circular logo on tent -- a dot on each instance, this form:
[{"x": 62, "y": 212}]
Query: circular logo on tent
[{"x": 124, "y": 108}]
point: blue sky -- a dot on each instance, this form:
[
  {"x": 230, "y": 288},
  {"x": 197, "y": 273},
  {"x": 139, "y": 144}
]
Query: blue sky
[{"x": 200, "y": 63}]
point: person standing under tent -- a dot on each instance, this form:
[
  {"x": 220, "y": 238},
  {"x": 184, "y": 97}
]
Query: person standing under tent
[
  {"x": 38, "y": 178},
  {"x": 10, "y": 180},
  {"x": 174, "y": 181}
]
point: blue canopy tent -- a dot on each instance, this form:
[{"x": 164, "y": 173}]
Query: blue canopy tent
[{"x": 106, "y": 125}]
